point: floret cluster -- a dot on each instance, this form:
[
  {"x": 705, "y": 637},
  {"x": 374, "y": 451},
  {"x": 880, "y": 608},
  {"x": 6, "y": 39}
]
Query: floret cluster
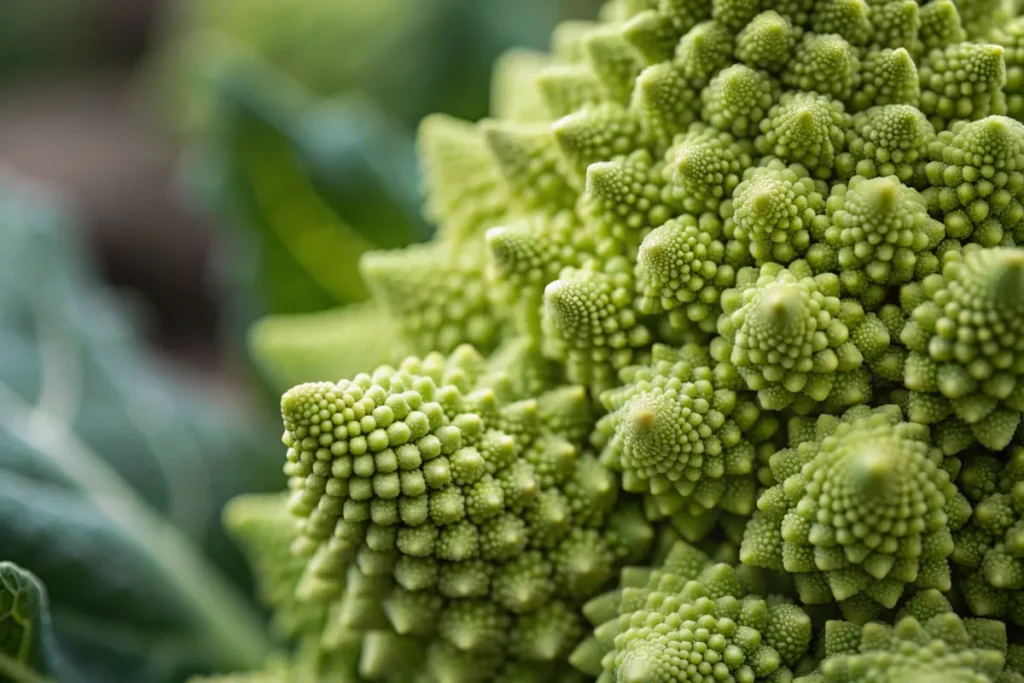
[{"x": 719, "y": 374}]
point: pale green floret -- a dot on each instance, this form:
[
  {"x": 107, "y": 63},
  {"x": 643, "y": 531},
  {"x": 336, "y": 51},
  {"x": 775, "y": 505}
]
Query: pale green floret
[
  {"x": 436, "y": 294},
  {"x": 941, "y": 25},
  {"x": 529, "y": 162},
  {"x": 524, "y": 257},
  {"x": 882, "y": 235},
  {"x": 896, "y": 24},
  {"x": 706, "y": 166},
  {"x": 766, "y": 42},
  {"x": 962, "y": 82},
  {"x": 888, "y": 140},
  {"x": 738, "y": 99},
  {"x": 991, "y": 547},
  {"x": 1011, "y": 38},
  {"x": 929, "y": 643},
  {"x": 665, "y": 104},
  {"x": 677, "y": 433},
  {"x": 690, "y": 620},
  {"x": 614, "y": 61},
  {"x": 734, "y": 14},
  {"x": 805, "y": 128},
  {"x": 590, "y": 325},
  {"x": 826, "y": 64},
  {"x": 624, "y": 199},
  {"x": 682, "y": 268},
  {"x": 794, "y": 341},
  {"x": 656, "y": 32},
  {"x": 772, "y": 211},
  {"x": 463, "y": 183},
  {"x": 595, "y": 134},
  {"x": 846, "y": 18},
  {"x": 703, "y": 51},
  {"x": 966, "y": 341},
  {"x": 419, "y": 486},
  {"x": 565, "y": 88},
  {"x": 976, "y": 181},
  {"x": 864, "y": 509},
  {"x": 886, "y": 77}
]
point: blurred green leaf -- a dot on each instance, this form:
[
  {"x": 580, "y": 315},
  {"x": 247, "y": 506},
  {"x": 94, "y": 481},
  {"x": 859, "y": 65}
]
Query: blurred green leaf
[
  {"x": 311, "y": 185},
  {"x": 112, "y": 471}
]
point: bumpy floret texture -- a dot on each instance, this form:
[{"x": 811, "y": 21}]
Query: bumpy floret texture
[
  {"x": 690, "y": 619},
  {"x": 990, "y": 548},
  {"x": 749, "y": 274},
  {"x": 928, "y": 642},
  {"x": 864, "y": 508}
]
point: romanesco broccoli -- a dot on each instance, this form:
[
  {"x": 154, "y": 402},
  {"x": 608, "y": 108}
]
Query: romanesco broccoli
[{"x": 751, "y": 274}]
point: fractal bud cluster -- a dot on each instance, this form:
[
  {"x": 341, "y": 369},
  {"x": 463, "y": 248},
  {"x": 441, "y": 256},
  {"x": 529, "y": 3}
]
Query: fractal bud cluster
[{"x": 716, "y": 373}]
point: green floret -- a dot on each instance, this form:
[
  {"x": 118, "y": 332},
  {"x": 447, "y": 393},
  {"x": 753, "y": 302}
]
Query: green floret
[
  {"x": 990, "y": 548},
  {"x": 703, "y": 51},
  {"x": 1011, "y": 38},
  {"x": 896, "y": 24},
  {"x": 675, "y": 432},
  {"x": 826, "y": 64},
  {"x": 980, "y": 17},
  {"x": 614, "y": 62},
  {"x": 794, "y": 341},
  {"x": 886, "y": 76},
  {"x": 706, "y": 166},
  {"x": 766, "y": 42},
  {"x": 665, "y": 104},
  {"x": 437, "y": 295},
  {"x": 690, "y": 620},
  {"x": 565, "y": 88},
  {"x": 414, "y": 486},
  {"x": 888, "y": 140},
  {"x": 865, "y": 507},
  {"x": 941, "y": 25},
  {"x": 962, "y": 82},
  {"x": 590, "y": 325},
  {"x": 772, "y": 211},
  {"x": 846, "y": 18},
  {"x": 976, "y": 181},
  {"x": 928, "y": 644},
  {"x": 882, "y": 235},
  {"x": 595, "y": 134},
  {"x": 966, "y": 341},
  {"x": 527, "y": 255},
  {"x": 682, "y": 268},
  {"x": 464, "y": 185},
  {"x": 535, "y": 174},
  {"x": 656, "y": 32},
  {"x": 738, "y": 99},
  {"x": 624, "y": 199},
  {"x": 805, "y": 128},
  {"x": 734, "y": 14}
]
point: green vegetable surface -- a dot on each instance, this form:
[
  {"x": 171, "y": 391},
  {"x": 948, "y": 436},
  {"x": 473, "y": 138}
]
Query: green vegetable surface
[
  {"x": 717, "y": 368},
  {"x": 112, "y": 476}
]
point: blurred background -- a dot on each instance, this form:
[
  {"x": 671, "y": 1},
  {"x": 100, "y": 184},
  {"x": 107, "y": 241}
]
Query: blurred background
[
  {"x": 115, "y": 104},
  {"x": 185, "y": 189}
]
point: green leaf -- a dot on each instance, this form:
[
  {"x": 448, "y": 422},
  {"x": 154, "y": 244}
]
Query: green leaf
[
  {"x": 311, "y": 184},
  {"x": 113, "y": 471}
]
